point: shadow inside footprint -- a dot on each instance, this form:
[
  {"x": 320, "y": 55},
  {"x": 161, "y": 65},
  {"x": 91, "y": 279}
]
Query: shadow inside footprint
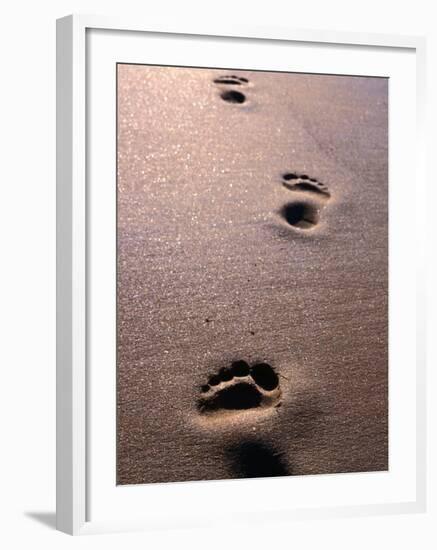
[
  {"x": 239, "y": 397},
  {"x": 265, "y": 376},
  {"x": 253, "y": 458},
  {"x": 303, "y": 215},
  {"x": 240, "y": 387},
  {"x": 232, "y": 96}
]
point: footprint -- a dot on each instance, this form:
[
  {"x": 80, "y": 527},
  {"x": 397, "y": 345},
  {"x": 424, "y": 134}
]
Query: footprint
[
  {"x": 228, "y": 94},
  {"x": 240, "y": 387},
  {"x": 304, "y": 212},
  {"x": 232, "y": 80},
  {"x": 302, "y": 182}
]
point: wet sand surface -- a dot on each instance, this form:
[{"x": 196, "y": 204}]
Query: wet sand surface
[{"x": 226, "y": 253}]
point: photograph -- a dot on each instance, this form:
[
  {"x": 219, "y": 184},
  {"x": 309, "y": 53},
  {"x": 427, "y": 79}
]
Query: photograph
[
  {"x": 218, "y": 275},
  {"x": 252, "y": 274}
]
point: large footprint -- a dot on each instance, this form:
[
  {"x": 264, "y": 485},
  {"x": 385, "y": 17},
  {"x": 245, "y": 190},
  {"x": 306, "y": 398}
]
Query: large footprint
[
  {"x": 231, "y": 95},
  {"x": 303, "y": 212},
  {"x": 240, "y": 387}
]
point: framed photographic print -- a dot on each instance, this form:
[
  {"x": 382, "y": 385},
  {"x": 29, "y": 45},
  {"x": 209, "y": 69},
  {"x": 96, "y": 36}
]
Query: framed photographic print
[{"x": 240, "y": 275}]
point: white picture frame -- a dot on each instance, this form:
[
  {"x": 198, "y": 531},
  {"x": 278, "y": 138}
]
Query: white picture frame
[{"x": 75, "y": 470}]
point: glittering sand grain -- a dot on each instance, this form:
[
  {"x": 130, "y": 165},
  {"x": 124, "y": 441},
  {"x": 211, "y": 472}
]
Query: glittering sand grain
[{"x": 223, "y": 259}]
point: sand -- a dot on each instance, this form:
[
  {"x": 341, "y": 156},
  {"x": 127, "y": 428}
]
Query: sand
[{"x": 225, "y": 254}]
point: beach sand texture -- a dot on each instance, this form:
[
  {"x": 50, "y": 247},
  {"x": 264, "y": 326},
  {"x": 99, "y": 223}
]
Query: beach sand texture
[{"x": 252, "y": 286}]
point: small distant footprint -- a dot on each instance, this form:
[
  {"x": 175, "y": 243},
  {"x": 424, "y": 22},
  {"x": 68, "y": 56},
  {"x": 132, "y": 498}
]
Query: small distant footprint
[
  {"x": 311, "y": 197},
  {"x": 229, "y": 94},
  {"x": 231, "y": 79},
  {"x": 302, "y": 182},
  {"x": 240, "y": 387}
]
